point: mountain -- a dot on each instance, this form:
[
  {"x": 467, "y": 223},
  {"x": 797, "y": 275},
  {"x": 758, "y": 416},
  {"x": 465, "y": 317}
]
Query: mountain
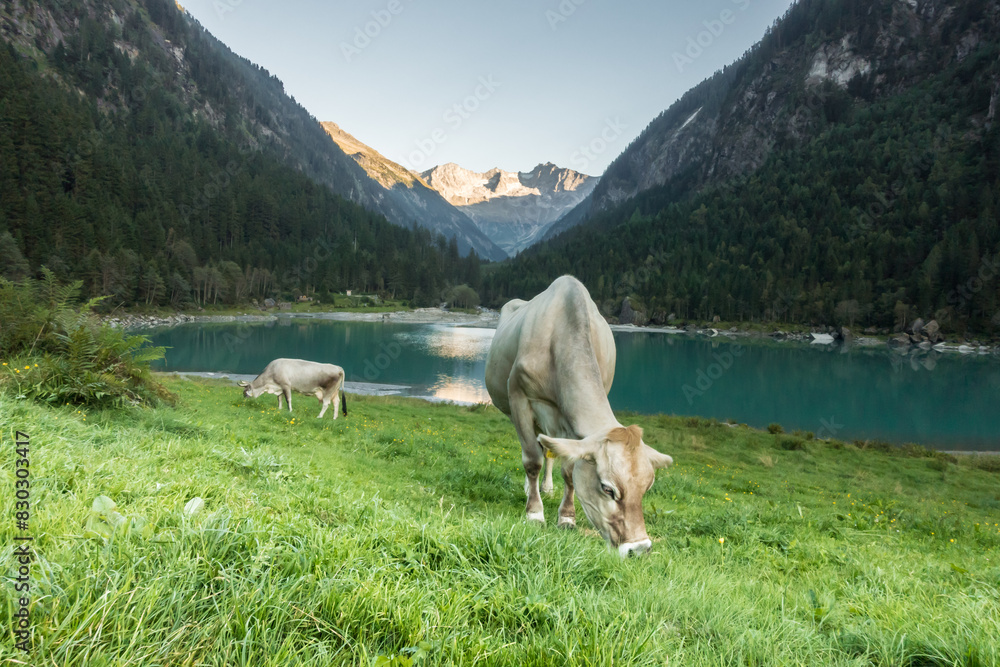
[
  {"x": 140, "y": 155},
  {"x": 229, "y": 92},
  {"x": 810, "y": 65},
  {"x": 407, "y": 198},
  {"x": 513, "y": 208},
  {"x": 843, "y": 170}
]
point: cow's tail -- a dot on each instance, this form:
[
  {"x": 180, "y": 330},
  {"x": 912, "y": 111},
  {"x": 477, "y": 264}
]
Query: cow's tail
[{"x": 343, "y": 401}]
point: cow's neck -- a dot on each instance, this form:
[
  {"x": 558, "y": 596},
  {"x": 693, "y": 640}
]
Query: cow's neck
[{"x": 584, "y": 389}]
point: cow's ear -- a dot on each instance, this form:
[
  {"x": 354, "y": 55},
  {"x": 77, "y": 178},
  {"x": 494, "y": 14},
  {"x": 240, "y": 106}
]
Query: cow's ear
[
  {"x": 656, "y": 459},
  {"x": 569, "y": 449}
]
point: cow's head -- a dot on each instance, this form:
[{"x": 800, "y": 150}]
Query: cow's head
[
  {"x": 249, "y": 391},
  {"x": 611, "y": 473}
]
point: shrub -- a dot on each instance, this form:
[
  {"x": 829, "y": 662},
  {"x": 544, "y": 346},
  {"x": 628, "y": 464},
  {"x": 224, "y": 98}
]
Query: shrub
[
  {"x": 62, "y": 355},
  {"x": 791, "y": 443},
  {"x": 775, "y": 429}
]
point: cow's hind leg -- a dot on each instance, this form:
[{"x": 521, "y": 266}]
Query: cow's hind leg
[
  {"x": 532, "y": 455},
  {"x": 288, "y": 397},
  {"x": 567, "y": 508},
  {"x": 335, "y": 397}
]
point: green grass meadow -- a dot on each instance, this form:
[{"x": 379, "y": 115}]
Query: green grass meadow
[{"x": 396, "y": 537}]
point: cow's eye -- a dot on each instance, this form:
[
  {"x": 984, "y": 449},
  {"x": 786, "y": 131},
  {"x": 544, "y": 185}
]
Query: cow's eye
[{"x": 608, "y": 491}]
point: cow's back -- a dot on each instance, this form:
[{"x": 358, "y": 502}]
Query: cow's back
[
  {"x": 554, "y": 328},
  {"x": 301, "y": 375}
]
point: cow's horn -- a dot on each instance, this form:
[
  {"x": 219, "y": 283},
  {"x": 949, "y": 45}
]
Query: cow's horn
[{"x": 242, "y": 383}]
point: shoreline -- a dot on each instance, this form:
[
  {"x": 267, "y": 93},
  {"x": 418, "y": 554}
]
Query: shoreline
[
  {"x": 359, "y": 388},
  {"x": 488, "y": 319}
]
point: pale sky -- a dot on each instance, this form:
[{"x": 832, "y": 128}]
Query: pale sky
[{"x": 490, "y": 84}]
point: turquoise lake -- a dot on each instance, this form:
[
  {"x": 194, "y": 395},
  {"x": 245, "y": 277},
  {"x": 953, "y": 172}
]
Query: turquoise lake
[{"x": 946, "y": 401}]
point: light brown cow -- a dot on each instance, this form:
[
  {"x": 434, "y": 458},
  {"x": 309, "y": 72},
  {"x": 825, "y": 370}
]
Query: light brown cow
[
  {"x": 550, "y": 369},
  {"x": 282, "y": 376}
]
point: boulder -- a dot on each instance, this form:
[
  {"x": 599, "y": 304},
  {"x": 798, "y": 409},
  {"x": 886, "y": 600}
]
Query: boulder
[
  {"x": 269, "y": 303},
  {"x": 716, "y": 320},
  {"x": 631, "y": 316},
  {"x": 917, "y": 326},
  {"x": 900, "y": 340},
  {"x": 871, "y": 331},
  {"x": 844, "y": 334},
  {"x": 933, "y": 331}
]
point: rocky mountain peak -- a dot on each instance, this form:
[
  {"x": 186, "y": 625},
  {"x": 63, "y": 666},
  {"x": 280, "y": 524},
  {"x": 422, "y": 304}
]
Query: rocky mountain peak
[{"x": 514, "y": 208}]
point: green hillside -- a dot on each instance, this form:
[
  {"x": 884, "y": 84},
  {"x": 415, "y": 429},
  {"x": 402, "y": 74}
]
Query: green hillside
[{"x": 115, "y": 171}]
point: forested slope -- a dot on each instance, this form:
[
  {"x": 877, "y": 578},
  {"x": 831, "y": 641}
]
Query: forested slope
[
  {"x": 874, "y": 202},
  {"x": 117, "y": 170}
]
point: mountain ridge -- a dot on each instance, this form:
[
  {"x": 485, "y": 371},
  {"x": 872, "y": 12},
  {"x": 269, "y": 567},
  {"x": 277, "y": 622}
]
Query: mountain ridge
[
  {"x": 412, "y": 196},
  {"x": 703, "y": 136},
  {"x": 513, "y": 208}
]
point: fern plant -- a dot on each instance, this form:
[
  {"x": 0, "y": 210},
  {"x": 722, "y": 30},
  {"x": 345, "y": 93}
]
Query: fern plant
[{"x": 63, "y": 355}]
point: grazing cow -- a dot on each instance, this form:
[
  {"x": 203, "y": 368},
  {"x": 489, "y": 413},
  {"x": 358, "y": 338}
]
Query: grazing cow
[
  {"x": 324, "y": 381},
  {"x": 550, "y": 369}
]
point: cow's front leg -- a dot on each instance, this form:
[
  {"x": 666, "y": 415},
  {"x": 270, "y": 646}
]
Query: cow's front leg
[
  {"x": 280, "y": 397},
  {"x": 547, "y": 482},
  {"x": 325, "y": 404},
  {"x": 288, "y": 398},
  {"x": 532, "y": 455},
  {"x": 567, "y": 508}
]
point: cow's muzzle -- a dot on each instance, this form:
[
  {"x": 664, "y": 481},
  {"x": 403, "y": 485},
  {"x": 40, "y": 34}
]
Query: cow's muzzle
[{"x": 634, "y": 548}]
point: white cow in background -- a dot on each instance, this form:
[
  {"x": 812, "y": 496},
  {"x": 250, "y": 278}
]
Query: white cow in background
[{"x": 281, "y": 376}]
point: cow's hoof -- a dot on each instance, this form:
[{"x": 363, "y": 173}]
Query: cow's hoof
[
  {"x": 536, "y": 516},
  {"x": 547, "y": 489},
  {"x": 566, "y": 523}
]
